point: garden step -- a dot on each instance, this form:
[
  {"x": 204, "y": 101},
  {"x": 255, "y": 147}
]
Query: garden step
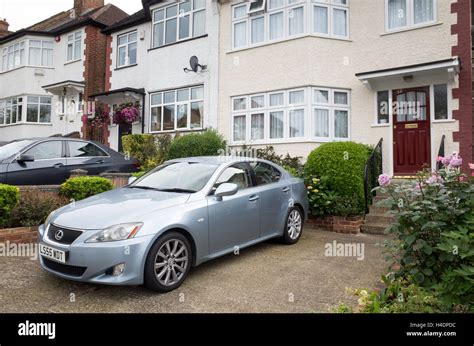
[
  {"x": 373, "y": 209},
  {"x": 378, "y": 219},
  {"x": 373, "y": 228}
]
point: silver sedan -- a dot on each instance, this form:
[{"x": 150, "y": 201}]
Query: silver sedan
[{"x": 183, "y": 213}]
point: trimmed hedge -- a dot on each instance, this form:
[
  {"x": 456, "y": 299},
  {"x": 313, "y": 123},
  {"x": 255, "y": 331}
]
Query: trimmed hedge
[
  {"x": 83, "y": 187},
  {"x": 342, "y": 163},
  {"x": 149, "y": 150},
  {"x": 9, "y": 198},
  {"x": 209, "y": 143}
]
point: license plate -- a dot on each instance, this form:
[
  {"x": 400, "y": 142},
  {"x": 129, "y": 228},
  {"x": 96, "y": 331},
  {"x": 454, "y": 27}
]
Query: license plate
[{"x": 53, "y": 254}]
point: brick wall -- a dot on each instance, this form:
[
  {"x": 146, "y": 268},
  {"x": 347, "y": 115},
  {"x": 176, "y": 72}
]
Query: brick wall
[
  {"x": 22, "y": 235},
  {"x": 338, "y": 224}
]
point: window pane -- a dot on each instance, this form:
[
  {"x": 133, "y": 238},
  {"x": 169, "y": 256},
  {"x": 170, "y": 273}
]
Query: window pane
[
  {"x": 256, "y": 5},
  {"x": 296, "y": 22},
  {"x": 340, "y": 22},
  {"x": 240, "y": 11},
  {"x": 296, "y": 97},
  {"x": 168, "y": 118},
  {"x": 47, "y": 59},
  {"x": 276, "y": 26},
  {"x": 132, "y": 37},
  {"x": 297, "y": 123},
  {"x": 257, "y": 129},
  {"x": 183, "y": 27},
  {"x": 199, "y": 23},
  {"x": 171, "y": 11},
  {"x": 382, "y": 107},
  {"x": 240, "y": 34},
  {"x": 197, "y": 113},
  {"x": 276, "y": 125},
  {"x": 32, "y": 113},
  {"x": 35, "y": 56},
  {"x": 78, "y": 35},
  {"x": 83, "y": 149},
  {"x": 158, "y": 35},
  {"x": 183, "y": 95},
  {"x": 156, "y": 119},
  {"x": 257, "y": 102},
  {"x": 70, "y": 49},
  {"x": 159, "y": 15},
  {"x": 397, "y": 10},
  {"x": 46, "y": 151},
  {"x": 45, "y": 100},
  {"x": 277, "y": 99},
  {"x": 122, "y": 56},
  {"x": 132, "y": 53},
  {"x": 182, "y": 116},
  {"x": 240, "y": 104},
  {"x": 341, "y": 98},
  {"x": 156, "y": 99},
  {"x": 341, "y": 129},
  {"x": 424, "y": 11},
  {"x": 258, "y": 30},
  {"x": 239, "y": 128},
  {"x": 197, "y": 4},
  {"x": 265, "y": 174},
  {"x": 171, "y": 28},
  {"x": 122, "y": 40},
  {"x": 321, "y": 123},
  {"x": 236, "y": 174},
  {"x": 321, "y": 96},
  {"x": 45, "y": 113},
  {"x": 320, "y": 24},
  {"x": 197, "y": 93},
  {"x": 170, "y": 97},
  {"x": 77, "y": 50},
  {"x": 441, "y": 101},
  {"x": 185, "y": 7},
  {"x": 275, "y": 3}
]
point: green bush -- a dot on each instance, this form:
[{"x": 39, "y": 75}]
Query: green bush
[
  {"x": 83, "y": 187},
  {"x": 209, "y": 143},
  {"x": 342, "y": 164},
  {"x": 291, "y": 163},
  {"x": 9, "y": 197},
  {"x": 149, "y": 150},
  {"x": 34, "y": 207},
  {"x": 321, "y": 199}
]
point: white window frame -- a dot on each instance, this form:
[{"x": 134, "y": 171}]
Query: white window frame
[
  {"x": 18, "y": 48},
  {"x": 410, "y": 24},
  {"x": 39, "y": 104},
  {"x": 19, "y": 110},
  {"x": 258, "y": 9},
  {"x": 126, "y": 45},
  {"x": 190, "y": 13},
  {"x": 176, "y": 104},
  {"x": 41, "y": 49},
  {"x": 73, "y": 41}
]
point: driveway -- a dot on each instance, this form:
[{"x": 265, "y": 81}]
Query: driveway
[{"x": 266, "y": 278}]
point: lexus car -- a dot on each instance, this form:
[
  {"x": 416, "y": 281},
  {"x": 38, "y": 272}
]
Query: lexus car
[{"x": 181, "y": 214}]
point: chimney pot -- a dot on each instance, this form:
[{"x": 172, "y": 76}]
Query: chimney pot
[{"x": 82, "y": 6}]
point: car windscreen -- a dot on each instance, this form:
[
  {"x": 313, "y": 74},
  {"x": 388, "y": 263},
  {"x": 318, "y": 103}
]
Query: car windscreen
[
  {"x": 13, "y": 148},
  {"x": 185, "y": 176}
]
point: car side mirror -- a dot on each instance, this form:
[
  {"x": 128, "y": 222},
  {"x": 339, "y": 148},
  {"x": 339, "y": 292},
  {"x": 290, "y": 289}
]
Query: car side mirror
[
  {"x": 131, "y": 180},
  {"x": 225, "y": 190},
  {"x": 26, "y": 158}
]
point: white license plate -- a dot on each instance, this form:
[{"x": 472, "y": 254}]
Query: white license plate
[{"x": 53, "y": 254}]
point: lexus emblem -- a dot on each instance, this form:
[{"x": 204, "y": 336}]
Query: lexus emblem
[{"x": 59, "y": 235}]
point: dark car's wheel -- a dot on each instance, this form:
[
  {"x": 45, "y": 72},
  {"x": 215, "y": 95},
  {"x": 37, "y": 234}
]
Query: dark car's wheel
[
  {"x": 168, "y": 263},
  {"x": 293, "y": 226}
]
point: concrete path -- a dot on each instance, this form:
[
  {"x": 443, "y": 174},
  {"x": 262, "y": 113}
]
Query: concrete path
[{"x": 266, "y": 278}]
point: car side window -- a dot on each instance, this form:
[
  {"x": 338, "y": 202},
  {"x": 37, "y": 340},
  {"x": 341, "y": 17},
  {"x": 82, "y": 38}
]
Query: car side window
[
  {"x": 47, "y": 151},
  {"x": 265, "y": 173},
  {"x": 85, "y": 149},
  {"x": 236, "y": 174}
]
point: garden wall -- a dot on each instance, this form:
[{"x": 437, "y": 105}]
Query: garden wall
[{"x": 338, "y": 224}]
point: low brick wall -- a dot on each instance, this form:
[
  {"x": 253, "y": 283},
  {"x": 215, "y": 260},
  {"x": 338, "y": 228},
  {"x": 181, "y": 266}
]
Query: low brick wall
[
  {"x": 41, "y": 188},
  {"x": 22, "y": 235},
  {"x": 338, "y": 224},
  {"x": 118, "y": 179}
]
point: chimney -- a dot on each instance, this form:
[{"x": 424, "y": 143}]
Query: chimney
[
  {"x": 82, "y": 6},
  {"x": 4, "y": 27}
]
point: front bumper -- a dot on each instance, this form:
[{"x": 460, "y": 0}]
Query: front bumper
[{"x": 98, "y": 259}]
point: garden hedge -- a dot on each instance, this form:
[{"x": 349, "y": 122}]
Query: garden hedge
[
  {"x": 209, "y": 143},
  {"x": 83, "y": 187},
  {"x": 343, "y": 164},
  {"x": 9, "y": 198}
]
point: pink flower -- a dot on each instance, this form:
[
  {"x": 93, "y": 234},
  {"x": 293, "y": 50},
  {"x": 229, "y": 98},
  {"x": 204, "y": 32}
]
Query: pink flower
[
  {"x": 446, "y": 161},
  {"x": 434, "y": 179},
  {"x": 418, "y": 186},
  {"x": 384, "y": 180},
  {"x": 439, "y": 159},
  {"x": 456, "y": 160}
]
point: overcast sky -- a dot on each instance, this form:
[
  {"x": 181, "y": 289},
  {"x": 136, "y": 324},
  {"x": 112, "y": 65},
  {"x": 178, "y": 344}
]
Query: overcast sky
[{"x": 23, "y": 13}]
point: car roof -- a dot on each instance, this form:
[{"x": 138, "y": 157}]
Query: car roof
[{"x": 219, "y": 160}]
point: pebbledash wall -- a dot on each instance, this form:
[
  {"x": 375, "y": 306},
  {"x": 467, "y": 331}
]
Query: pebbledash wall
[
  {"x": 311, "y": 61},
  {"x": 162, "y": 68}
]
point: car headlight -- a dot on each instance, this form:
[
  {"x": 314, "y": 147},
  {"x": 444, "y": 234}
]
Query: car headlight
[{"x": 116, "y": 233}]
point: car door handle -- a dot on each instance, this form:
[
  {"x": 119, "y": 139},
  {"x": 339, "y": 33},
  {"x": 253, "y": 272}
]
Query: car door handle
[
  {"x": 59, "y": 165},
  {"x": 254, "y": 198},
  {"x": 100, "y": 162},
  {"x": 286, "y": 189}
]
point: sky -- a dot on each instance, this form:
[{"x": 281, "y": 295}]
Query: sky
[{"x": 23, "y": 13}]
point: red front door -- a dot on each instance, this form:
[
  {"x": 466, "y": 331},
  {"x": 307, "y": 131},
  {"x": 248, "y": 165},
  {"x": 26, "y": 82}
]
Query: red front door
[{"x": 411, "y": 130}]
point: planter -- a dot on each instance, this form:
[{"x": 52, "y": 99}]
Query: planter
[
  {"x": 338, "y": 224},
  {"x": 23, "y": 235}
]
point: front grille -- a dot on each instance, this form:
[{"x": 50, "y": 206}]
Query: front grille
[
  {"x": 64, "y": 269},
  {"x": 68, "y": 235}
]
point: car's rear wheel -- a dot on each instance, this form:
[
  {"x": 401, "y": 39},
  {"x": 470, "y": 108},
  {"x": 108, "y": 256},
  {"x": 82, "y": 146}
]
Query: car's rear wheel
[
  {"x": 293, "y": 226},
  {"x": 168, "y": 263}
]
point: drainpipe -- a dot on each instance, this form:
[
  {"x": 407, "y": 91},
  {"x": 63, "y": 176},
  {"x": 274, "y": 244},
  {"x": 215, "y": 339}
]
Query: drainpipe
[{"x": 143, "y": 113}]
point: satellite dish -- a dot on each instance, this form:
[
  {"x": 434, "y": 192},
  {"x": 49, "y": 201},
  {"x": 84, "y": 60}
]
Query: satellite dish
[{"x": 195, "y": 65}]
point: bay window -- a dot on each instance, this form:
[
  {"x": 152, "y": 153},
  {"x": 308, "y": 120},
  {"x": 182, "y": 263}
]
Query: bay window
[
  {"x": 38, "y": 109},
  {"x": 74, "y": 47},
  {"x": 403, "y": 14},
  {"x": 127, "y": 49},
  {"x": 37, "y": 53},
  {"x": 41, "y": 53},
  {"x": 11, "y": 111},
  {"x": 13, "y": 56},
  {"x": 179, "y": 22},
  {"x": 177, "y": 110},
  {"x": 291, "y": 115}
]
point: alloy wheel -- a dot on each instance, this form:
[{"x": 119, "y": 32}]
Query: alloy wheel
[
  {"x": 171, "y": 262},
  {"x": 294, "y": 224}
]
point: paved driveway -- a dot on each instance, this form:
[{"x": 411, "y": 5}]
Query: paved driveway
[{"x": 266, "y": 278}]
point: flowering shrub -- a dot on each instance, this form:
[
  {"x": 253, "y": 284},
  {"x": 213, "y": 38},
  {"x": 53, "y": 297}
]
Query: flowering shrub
[
  {"x": 321, "y": 199},
  {"x": 434, "y": 231},
  {"x": 101, "y": 118},
  {"x": 127, "y": 113}
]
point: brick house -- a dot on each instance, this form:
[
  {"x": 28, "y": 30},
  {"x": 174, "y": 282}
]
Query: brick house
[{"x": 48, "y": 69}]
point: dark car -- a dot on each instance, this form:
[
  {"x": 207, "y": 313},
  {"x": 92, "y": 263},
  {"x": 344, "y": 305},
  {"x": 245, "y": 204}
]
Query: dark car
[{"x": 49, "y": 161}]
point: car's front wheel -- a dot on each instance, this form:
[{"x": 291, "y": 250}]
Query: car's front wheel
[
  {"x": 293, "y": 226},
  {"x": 168, "y": 263}
]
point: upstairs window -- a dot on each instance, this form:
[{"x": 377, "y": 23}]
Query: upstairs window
[
  {"x": 178, "y": 22},
  {"x": 404, "y": 14},
  {"x": 41, "y": 53},
  {"x": 13, "y": 56},
  {"x": 127, "y": 49},
  {"x": 74, "y": 46}
]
